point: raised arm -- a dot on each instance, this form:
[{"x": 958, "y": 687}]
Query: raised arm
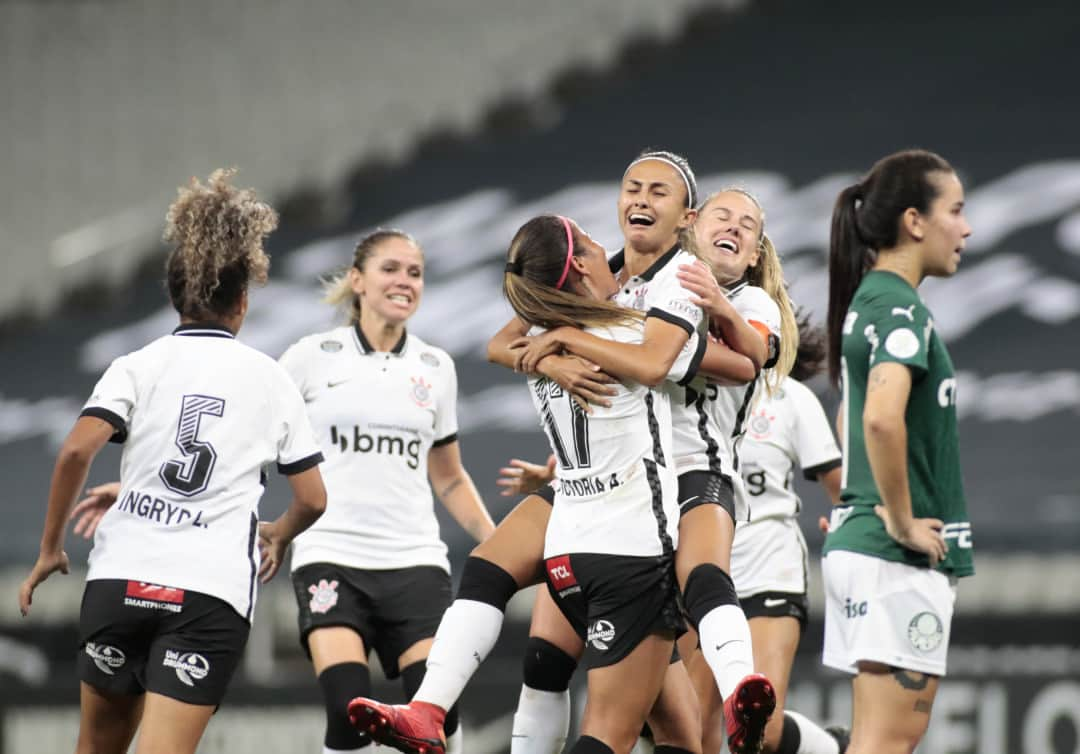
[
  {"x": 741, "y": 336},
  {"x": 585, "y": 381},
  {"x": 724, "y": 366},
  {"x": 646, "y": 363}
]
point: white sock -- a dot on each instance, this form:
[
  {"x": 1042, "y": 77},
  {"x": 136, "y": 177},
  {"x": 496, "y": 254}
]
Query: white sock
[
  {"x": 726, "y": 646},
  {"x": 454, "y": 742},
  {"x": 541, "y": 722},
  {"x": 465, "y": 636},
  {"x": 814, "y": 739}
]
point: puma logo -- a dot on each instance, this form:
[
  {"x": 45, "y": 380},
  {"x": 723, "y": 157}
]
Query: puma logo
[{"x": 900, "y": 311}]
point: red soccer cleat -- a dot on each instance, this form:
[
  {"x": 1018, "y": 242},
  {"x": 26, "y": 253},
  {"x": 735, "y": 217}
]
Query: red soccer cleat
[
  {"x": 746, "y": 712},
  {"x": 415, "y": 728}
]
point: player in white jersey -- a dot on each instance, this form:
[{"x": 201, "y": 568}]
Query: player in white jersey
[
  {"x": 372, "y": 573},
  {"x": 787, "y": 432},
  {"x": 513, "y": 556},
  {"x": 707, "y": 417},
  {"x": 172, "y": 577}
]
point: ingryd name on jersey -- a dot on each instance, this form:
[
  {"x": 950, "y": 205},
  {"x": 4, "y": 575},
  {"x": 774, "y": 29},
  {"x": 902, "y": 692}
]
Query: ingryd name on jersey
[
  {"x": 592, "y": 485},
  {"x": 159, "y": 511},
  {"x": 362, "y": 442}
]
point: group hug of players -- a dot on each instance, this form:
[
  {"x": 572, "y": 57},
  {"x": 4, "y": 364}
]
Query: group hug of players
[{"x": 666, "y": 378}]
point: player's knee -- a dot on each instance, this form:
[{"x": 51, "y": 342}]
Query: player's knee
[
  {"x": 546, "y": 667},
  {"x": 483, "y": 581},
  {"x": 340, "y": 684},
  {"x": 707, "y": 587}
]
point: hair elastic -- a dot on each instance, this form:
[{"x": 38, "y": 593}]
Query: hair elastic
[
  {"x": 569, "y": 252},
  {"x": 688, "y": 179}
]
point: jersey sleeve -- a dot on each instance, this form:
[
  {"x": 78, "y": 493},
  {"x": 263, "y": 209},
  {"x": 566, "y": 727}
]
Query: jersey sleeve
[
  {"x": 446, "y": 424},
  {"x": 295, "y": 362},
  {"x": 899, "y": 332},
  {"x": 685, "y": 367},
  {"x": 297, "y": 449},
  {"x": 759, "y": 309},
  {"x": 813, "y": 441},
  {"x": 671, "y": 302},
  {"x": 114, "y": 396}
]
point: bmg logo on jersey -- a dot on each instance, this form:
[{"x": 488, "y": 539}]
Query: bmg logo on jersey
[
  {"x": 189, "y": 666},
  {"x": 365, "y": 442},
  {"x": 107, "y": 659}
]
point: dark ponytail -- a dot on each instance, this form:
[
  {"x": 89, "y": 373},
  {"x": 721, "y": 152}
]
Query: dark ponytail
[
  {"x": 849, "y": 259},
  {"x": 866, "y": 220}
]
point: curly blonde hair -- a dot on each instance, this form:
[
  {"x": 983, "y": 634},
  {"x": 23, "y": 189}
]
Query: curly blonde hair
[{"x": 218, "y": 232}]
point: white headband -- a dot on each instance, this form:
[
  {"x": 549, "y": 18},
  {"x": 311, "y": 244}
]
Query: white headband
[{"x": 690, "y": 198}]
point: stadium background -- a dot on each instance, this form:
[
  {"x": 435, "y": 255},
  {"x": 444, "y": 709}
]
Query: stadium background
[{"x": 456, "y": 122}]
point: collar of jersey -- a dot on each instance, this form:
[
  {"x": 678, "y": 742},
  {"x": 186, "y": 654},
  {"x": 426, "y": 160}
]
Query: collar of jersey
[
  {"x": 365, "y": 346},
  {"x": 203, "y": 330},
  {"x": 616, "y": 263}
]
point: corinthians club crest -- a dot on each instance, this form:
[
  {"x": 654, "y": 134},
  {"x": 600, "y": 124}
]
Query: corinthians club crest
[{"x": 421, "y": 392}]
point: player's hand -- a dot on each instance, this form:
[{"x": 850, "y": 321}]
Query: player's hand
[
  {"x": 91, "y": 509},
  {"x": 921, "y": 534},
  {"x": 522, "y": 477},
  {"x": 586, "y": 382},
  {"x": 823, "y": 524},
  {"x": 708, "y": 293},
  {"x": 529, "y": 349},
  {"x": 272, "y": 548},
  {"x": 46, "y": 565}
]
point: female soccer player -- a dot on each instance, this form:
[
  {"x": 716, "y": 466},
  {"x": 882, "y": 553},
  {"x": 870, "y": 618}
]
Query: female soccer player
[
  {"x": 903, "y": 535},
  {"x": 171, "y": 586},
  {"x": 610, "y": 540},
  {"x": 373, "y": 572},
  {"x": 707, "y": 418}
]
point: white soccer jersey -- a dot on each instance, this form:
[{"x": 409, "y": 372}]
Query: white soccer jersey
[
  {"x": 199, "y": 414},
  {"x": 615, "y": 491},
  {"x": 787, "y": 429},
  {"x": 376, "y": 415},
  {"x": 658, "y": 293}
]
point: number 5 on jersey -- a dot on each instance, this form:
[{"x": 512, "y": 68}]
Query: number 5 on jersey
[{"x": 190, "y": 474}]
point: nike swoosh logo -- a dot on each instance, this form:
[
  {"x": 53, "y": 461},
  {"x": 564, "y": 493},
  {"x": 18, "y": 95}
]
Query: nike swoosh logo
[
  {"x": 774, "y": 603},
  {"x": 335, "y": 383}
]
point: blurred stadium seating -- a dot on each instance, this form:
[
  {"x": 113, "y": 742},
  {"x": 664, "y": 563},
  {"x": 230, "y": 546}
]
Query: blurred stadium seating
[{"x": 458, "y": 121}]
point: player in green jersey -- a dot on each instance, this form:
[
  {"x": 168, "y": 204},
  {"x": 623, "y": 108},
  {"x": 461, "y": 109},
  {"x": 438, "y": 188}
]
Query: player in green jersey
[{"x": 902, "y": 536}]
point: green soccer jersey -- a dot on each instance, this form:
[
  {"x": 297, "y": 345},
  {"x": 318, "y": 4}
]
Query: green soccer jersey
[{"x": 887, "y": 321}]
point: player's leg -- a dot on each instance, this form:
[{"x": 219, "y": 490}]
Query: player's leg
[
  {"x": 412, "y": 602},
  {"x": 703, "y": 566},
  {"x": 621, "y": 695},
  {"x": 107, "y": 720},
  {"x": 776, "y": 639},
  {"x": 542, "y": 718},
  {"x": 675, "y": 718},
  {"x": 880, "y": 612},
  {"x": 334, "y": 613},
  {"x": 189, "y": 665},
  {"x": 509, "y": 560},
  {"x": 892, "y": 708},
  {"x": 114, "y": 639},
  {"x": 171, "y": 726},
  {"x": 339, "y": 657}
]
